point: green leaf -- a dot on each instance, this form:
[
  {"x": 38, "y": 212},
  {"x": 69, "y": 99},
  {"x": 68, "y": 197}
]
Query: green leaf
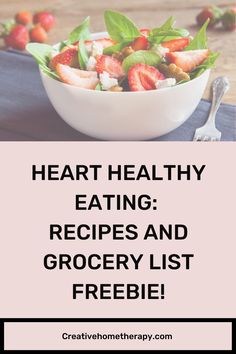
[
  {"x": 40, "y": 52},
  {"x": 117, "y": 47},
  {"x": 218, "y": 13},
  {"x": 82, "y": 55},
  {"x": 48, "y": 72},
  {"x": 200, "y": 39},
  {"x": 62, "y": 45},
  {"x": 165, "y": 36},
  {"x": 120, "y": 27},
  {"x": 7, "y": 27},
  {"x": 168, "y": 25},
  {"x": 182, "y": 82},
  {"x": 207, "y": 64},
  {"x": 166, "y": 32},
  {"x": 98, "y": 87},
  {"x": 81, "y": 32},
  {"x": 142, "y": 56},
  {"x": 174, "y": 33}
]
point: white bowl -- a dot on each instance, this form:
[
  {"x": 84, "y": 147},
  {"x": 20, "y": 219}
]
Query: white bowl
[{"x": 125, "y": 115}]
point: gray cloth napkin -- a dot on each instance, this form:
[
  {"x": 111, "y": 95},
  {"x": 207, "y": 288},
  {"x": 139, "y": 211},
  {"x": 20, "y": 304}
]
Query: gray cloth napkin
[{"x": 27, "y": 115}]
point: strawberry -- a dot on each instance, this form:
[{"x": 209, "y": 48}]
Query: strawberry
[
  {"x": 23, "y": 17},
  {"x": 111, "y": 65},
  {"x": 142, "y": 77},
  {"x": 211, "y": 12},
  {"x": 145, "y": 32},
  {"x": 17, "y": 37},
  {"x": 45, "y": 19},
  {"x": 176, "y": 44},
  {"x": 188, "y": 60},
  {"x": 229, "y": 19},
  {"x": 68, "y": 57},
  {"x": 140, "y": 43},
  {"x": 76, "y": 77},
  {"x": 38, "y": 34}
]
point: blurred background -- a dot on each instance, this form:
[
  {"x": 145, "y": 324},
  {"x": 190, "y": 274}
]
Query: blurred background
[{"x": 145, "y": 13}]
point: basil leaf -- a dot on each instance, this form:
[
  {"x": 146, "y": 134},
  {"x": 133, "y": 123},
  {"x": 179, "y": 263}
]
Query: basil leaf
[
  {"x": 117, "y": 47},
  {"x": 168, "y": 25},
  {"x": 207, "y": 64},
  {"x": 174, "y": 33},
  {"x": 165, "y": 36},
  {"x": 80, "y": 33},
  {"x": 200, "y": 39},
  {"x": 166, "y": 32},
  {"x": 120, "y": 27},
  {"x": 82, "y": 55},
  {"x": 142, "y": 56},
  {"x": 40, "y": 52}
]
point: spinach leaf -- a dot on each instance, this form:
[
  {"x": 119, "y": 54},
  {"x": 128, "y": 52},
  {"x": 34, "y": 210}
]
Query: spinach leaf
[
  {"x": 40, "y": 53},
  {"x": 142, "y": 56},
  {"x": 120, "y": 27},
  {"x": 207, "y": 64},
  {"x": 48, "y": 72},
  {"x": 82, "y": 55},
  {"x": 200, "y": 39},
  {"x": 80, "y": 33}
]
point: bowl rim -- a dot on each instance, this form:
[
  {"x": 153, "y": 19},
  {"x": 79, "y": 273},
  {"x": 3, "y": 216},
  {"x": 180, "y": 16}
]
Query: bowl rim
[{"x": 98, "y": 35}]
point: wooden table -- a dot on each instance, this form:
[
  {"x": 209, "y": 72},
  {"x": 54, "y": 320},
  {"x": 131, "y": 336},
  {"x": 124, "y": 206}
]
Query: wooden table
[{"x": 146, "y": 13}]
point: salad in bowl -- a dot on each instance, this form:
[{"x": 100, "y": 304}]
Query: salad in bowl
[{"x": 126, "y": 59}]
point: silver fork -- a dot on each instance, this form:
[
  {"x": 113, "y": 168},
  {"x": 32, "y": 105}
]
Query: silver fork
[{"x": 208, "y": 131}]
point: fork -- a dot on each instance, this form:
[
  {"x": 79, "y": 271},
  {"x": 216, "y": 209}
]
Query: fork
[{"x": 208, "y": 131}]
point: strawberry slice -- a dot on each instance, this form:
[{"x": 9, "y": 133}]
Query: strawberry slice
[
  {"x": 176, "y": 44},
  {"x": 145, "y": 31},
  {"x": 67, "y": 57},
  {"x": 140, "y": 43},
  {"x": 142, "y": 77},
  {"x": 111, "y": 65},
  {"x": 188, "y": 60},
  {"x": 76, "y": 77}
]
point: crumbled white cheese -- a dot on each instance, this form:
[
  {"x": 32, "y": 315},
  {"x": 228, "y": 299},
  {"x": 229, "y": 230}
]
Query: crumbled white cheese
[
  {"x": 97, "y": 49},
  {"x": 106, "y": 81},
  {"x": 91, "y": 64},
  {"x": 160, "y": 50},
  {"x": 165, "y": 83}
]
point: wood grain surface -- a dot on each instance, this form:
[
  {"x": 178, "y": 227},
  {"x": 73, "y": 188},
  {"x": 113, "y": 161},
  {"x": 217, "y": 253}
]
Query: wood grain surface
[{"x": 146, "y": 13}]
